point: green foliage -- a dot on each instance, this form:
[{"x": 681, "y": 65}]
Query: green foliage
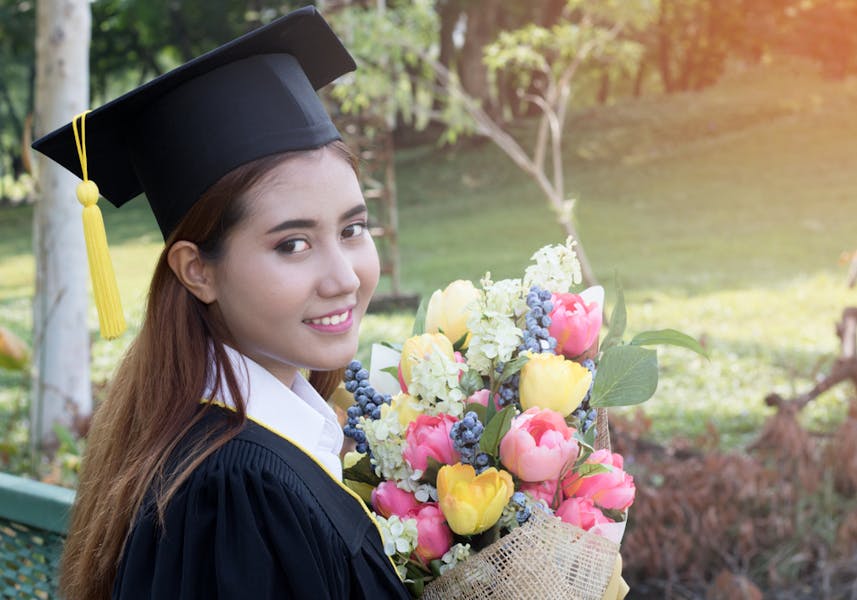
[
  {"x": 594, "y": 37},
  {"x": 496, "y": 427},
  {"x": 392, "y": 79},
  {"x": 618, "y": 320},
  {"x": 419, "y": 327},
  {"x": 362, "y": 472},
  {"x": 669, "y": 337},
  {"x": 627, "y": 375}
]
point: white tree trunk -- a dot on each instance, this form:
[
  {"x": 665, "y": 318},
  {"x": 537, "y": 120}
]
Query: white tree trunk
[{"x": 61, "y": 384}]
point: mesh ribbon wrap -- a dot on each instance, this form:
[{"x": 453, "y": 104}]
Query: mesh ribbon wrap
[{"x": 545, "y": 558}]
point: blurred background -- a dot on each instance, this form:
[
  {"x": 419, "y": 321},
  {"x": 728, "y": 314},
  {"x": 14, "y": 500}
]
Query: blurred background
[{"x": 702, "y": 152}]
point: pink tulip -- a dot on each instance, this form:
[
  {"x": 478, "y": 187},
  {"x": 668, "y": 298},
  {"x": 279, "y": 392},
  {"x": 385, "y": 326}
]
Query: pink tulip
[
  {"x": 434, "y": 536},
  {"x": 481, "y": 397},
  {"x": 429, "y": 437},
  {"x": 581, "y": 512},
  {"x": 613, "y": 489},
  {"x": 543, "y": 490},
  {"x": 538, "y": 446},
  {"x": 387, "y": 499},
  {"x": 574, "y": 323}
]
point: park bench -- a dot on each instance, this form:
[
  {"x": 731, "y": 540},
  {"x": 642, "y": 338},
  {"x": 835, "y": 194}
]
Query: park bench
[{"x": 33, "y": 523}]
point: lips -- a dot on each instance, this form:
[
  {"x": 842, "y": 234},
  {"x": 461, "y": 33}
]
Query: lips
[
  {"x": 334, "y": 319},
  {"x": 336, "y": 322}
]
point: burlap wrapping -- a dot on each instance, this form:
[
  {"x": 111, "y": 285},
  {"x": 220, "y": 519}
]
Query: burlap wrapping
[{"x": 546, "y": 558}]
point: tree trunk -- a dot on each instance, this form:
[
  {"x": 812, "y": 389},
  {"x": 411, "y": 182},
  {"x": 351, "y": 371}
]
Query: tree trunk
[
  {"x": 665, "y": 48},
  {"x": 551, "y": 12},
  {"x": 448, "y": 12},
  {"x": 60, "y": 384},
  {"x": 639, "y": 78},
  {"x": 604, "y": 88},
  {"x": 481, "y": 30}
]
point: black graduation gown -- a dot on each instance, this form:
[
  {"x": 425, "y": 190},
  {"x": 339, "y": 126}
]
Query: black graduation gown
[{"x": 257, "y": 519}]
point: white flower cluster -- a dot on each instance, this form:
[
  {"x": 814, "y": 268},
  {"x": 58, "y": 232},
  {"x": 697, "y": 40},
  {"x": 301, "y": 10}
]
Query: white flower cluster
[
  {"x": 426, "y": 492},
  {"x": 435, "y": 380},
  {"x": 387, "y": 441},
  {"x": 453, "y": 556},
  {"x": 399, "y": 535},
  {"x": 495, "y": 337},
  {"x": 556, "y": 268},
  {"x": 505, "y": 297}
]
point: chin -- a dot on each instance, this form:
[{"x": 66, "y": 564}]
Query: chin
[{"x": 335, "y": 360}]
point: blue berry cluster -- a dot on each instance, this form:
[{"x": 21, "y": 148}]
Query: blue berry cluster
[
  {"x": 367, "y": 403},
  {"x": 508, "y": 390},
  {"x": 465, "y": 435},
  {"x": 586, "y": 418},
  {"x": 589, "y": 364},
  {"x": 519, "y": 499},
  {"x": 537, "y": 338}
]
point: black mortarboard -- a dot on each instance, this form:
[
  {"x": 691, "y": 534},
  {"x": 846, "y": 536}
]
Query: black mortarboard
[{"x": 175, "y": 136}]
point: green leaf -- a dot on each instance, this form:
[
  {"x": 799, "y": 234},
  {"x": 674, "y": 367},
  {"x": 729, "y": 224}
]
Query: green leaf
[
  {"x": 362, "y": 472},
  {"x": 459, "y": 343},
  {"x": 618, "y": 320},
  {"x": 416, "y": 586},
  {"x": 669, "y": 337},
  {"x": 394, "y": 371},
  {"x": 435, "y": 566},
  {"x": 626, "y": 375},
  {"x": 617, "y": 516},
  {"x": 420, "y": 318},
  {"x": 432, "y": 469},
  {"x": 510, "y": 368},
  {"x": 481, "y": 411},
  {"x": 471, "y": 382},
  {"x": 590, "y": 469},
  {"x": 66, "y": 439},
  {"x": 392, "y": 346},
  {"x": 587, "y": 440},
  {"x": 495, "y": 429}
]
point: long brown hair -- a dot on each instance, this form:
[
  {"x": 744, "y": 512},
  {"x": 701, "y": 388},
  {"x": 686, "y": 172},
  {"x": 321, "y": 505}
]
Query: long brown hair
[{"x": 154, "y": 398}]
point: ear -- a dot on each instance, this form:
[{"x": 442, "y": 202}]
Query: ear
[{"x": 192, "y": 270}]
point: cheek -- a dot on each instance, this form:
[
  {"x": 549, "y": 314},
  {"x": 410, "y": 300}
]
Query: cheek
[{"x": 368, "y": 268}]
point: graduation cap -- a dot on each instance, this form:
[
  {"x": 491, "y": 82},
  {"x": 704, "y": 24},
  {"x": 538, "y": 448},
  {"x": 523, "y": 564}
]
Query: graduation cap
[{"x": 175, "y": 136}]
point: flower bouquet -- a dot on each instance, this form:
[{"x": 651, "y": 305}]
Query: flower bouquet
[{"x": 481, "y": 442}]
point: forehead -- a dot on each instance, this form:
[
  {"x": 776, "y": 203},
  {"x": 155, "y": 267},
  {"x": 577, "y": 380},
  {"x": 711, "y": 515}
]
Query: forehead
[{"x": 318, "y": 181}]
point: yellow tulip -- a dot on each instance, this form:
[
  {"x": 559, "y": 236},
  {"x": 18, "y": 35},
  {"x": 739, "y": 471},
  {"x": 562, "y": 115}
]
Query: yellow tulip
[
  {"x": 550, "y": 381},
  {"x": 448, "y": 310},
  {"x": 405, "y": 407},
  {"x": 472, "y": 503},
  {"x": 418, "y": 348}
]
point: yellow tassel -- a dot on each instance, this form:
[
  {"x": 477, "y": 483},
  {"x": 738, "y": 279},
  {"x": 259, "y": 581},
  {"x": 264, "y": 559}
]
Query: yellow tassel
[{"x": 104, "y": 287}]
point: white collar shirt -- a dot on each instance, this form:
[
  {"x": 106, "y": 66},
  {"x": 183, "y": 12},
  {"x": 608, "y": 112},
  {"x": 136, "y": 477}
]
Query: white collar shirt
[{"x": 298, "y": 414}]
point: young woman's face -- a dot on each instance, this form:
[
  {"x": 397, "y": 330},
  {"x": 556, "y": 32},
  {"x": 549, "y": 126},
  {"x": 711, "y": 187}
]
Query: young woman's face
[{"x": 299, "y": 270}]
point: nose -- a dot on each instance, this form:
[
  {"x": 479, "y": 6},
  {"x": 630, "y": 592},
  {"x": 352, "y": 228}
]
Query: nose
[{"x": 339, "y": 277}]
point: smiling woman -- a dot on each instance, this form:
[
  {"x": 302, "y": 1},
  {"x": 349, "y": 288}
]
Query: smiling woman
[{"x": 212, "y": 468}]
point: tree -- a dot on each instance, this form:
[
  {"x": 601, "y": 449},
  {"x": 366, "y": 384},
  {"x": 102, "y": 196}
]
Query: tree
[
  {"x": 60, "y": 384},
  {"x": 401, "y": 71},
  {"x": 17, "y": 73}
]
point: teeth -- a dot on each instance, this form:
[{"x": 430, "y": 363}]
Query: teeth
[{"x": 334, "y": 320}]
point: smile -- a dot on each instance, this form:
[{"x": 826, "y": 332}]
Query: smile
[{"x": 331, "y": 320}]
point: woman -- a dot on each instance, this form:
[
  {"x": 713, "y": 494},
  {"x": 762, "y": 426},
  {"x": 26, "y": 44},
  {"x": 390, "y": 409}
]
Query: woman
[{"x": 212, "y": 469}]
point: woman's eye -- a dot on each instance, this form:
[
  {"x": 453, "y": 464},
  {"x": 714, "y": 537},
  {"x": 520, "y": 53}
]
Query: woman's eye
[
  {"x": 354, "y": 230},
  {"x": 292, "y": 246}
]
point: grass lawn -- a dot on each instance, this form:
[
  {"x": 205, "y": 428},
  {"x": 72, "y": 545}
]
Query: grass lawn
[{"x": 724, "y": 213}]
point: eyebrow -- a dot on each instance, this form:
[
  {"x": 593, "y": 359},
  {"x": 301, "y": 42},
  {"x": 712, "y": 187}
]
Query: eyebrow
[{"x": 309, "y": 223}]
